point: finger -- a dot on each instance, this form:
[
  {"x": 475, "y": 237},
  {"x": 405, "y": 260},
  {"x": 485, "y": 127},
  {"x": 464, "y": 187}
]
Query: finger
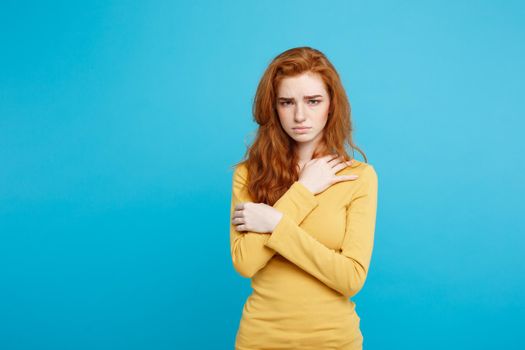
[
  {"x": 345, "y": 178},
  {"x": 237, "y": 213},
  {"x": 342, "y": 165},
  {"x": 339, "y": 167},
  {"x": 336, "y": 161},
  {"x": 329, "y": 157},
  {"x": 238, "y": 220},
  {"x": 239, "y": 206}
]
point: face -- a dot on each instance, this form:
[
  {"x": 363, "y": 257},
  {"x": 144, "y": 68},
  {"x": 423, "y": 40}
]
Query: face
[{"x": 303, "y": 102}]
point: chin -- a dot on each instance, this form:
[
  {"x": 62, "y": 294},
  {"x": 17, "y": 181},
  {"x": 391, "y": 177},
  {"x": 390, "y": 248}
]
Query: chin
[{"x": 303, "y": 139}]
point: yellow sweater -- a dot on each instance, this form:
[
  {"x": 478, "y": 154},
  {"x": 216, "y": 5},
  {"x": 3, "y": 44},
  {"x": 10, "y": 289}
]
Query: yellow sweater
[{"x": 305, "y": 271}]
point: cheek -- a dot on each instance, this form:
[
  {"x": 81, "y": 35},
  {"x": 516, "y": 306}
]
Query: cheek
[
  {"x": 322, "y": 117},
  {"x": 285, "y": 118}
]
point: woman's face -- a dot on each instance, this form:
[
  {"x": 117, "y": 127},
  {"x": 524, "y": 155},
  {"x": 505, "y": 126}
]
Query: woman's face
[{"x": 302, "y": 101}]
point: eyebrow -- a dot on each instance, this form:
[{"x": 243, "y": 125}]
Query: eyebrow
[{"x": 306, "y": 97}]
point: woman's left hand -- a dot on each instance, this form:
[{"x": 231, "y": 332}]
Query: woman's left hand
[{"x": 256, "y": 217}]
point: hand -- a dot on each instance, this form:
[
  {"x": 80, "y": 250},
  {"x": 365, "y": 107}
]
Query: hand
[
  {"x": 319, "y": 173},
  {"x": 256, "y": 217}
]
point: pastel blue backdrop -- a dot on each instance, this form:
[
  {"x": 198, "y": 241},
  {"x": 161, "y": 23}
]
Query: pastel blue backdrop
[{"x": 119, "y": 121}]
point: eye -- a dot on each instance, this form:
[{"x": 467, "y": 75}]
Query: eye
[
  {"x": 317, "y": 101},
  {"x": 284, "y": 103}
]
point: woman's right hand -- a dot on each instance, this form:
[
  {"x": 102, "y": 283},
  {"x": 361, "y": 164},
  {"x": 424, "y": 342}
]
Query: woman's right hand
[{"x": 319, "y": 173}]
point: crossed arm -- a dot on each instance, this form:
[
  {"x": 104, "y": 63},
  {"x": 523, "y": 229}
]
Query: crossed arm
[
  {"x": 345, "y": 270},
  {"x": 248, "y": 250}
]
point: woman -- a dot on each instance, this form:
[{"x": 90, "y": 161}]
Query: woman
[{"x": 302, "y": 212}]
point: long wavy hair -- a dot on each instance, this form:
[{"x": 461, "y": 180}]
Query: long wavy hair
[{"x": 271, "y": 160}]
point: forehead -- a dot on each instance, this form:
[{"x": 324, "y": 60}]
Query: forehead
[{"x": 303, "y": 84}]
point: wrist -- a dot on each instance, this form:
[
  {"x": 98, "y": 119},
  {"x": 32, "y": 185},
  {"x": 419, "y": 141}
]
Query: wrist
[{"x": 305, "y": 185}]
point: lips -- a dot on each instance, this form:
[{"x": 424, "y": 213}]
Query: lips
[{"x": 301, "y": 128}]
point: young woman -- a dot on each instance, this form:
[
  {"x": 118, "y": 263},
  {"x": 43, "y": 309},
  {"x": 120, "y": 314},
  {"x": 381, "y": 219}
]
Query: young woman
[{"x": 302, "y": 212}]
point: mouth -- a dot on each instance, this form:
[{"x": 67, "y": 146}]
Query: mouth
[{"x": 301, "y": 128}]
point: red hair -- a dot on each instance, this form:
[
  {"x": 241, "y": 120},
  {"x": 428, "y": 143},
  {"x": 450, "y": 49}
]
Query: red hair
[{"x": 271, "y": 160}]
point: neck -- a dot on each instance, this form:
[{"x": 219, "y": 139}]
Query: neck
[{"x": 305, "y": 151}]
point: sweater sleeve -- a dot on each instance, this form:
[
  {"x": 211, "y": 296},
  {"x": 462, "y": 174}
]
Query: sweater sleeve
[
  {"x": 248, "y": 250},
  {"x": 343, "y": 270}
]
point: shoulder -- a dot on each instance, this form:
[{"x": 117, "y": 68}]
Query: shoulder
[
  {"x": 240, "y": 171},
  {"x": 359, "y": 168},
  {"x": 366, "y": 172}
]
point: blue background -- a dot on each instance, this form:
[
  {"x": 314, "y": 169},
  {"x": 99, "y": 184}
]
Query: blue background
[{"x": 119, "y": 121}]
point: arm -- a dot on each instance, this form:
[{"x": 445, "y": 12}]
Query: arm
[
  {"x": 248, "y": 250},
  {"x": 345, "y": 270}
]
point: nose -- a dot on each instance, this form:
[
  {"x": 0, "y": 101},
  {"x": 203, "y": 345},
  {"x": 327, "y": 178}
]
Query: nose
[{"x": 299, "y": 114}]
